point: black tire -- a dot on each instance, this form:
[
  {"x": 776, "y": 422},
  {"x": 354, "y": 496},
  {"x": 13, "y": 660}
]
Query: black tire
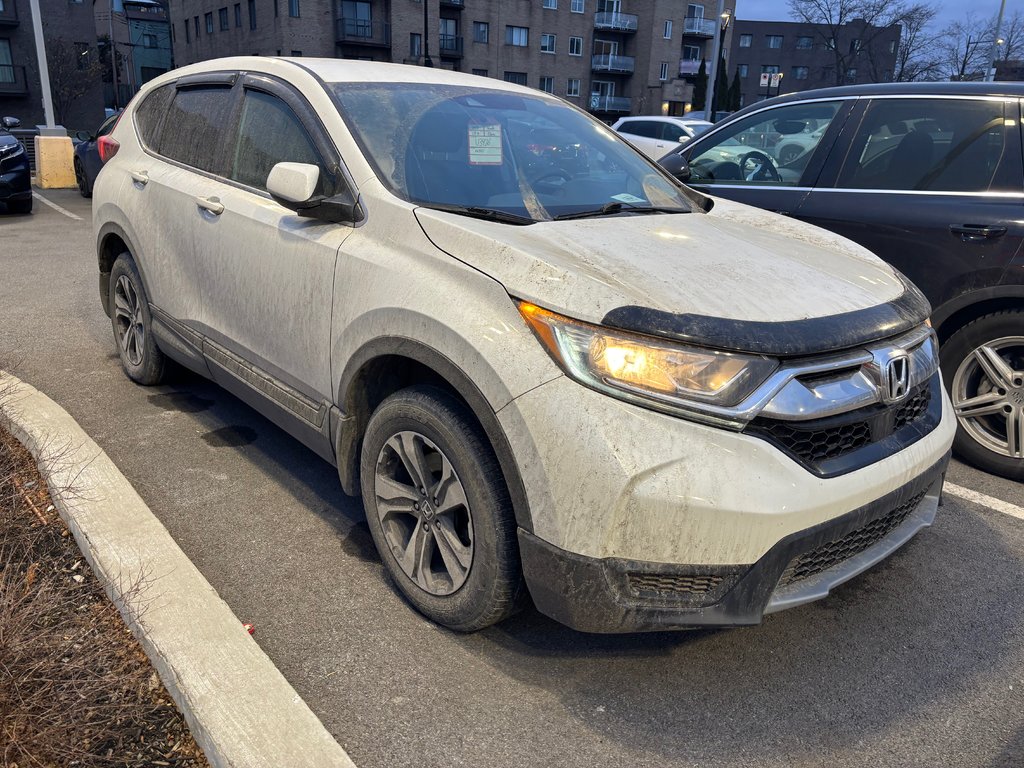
[
  {"x": 958, "y": 349},
  {"x": 493, "y": 588},
  {"x": 142, "y": 360},
  {"x": 20, "y": 206},
  {"x": 84, "y": 187}
]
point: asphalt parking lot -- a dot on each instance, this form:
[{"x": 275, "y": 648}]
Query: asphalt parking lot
[{"x": 919, "y": 662}]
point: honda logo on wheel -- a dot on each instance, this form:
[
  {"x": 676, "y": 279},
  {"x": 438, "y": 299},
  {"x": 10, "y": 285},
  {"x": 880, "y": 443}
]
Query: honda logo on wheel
[{"x": 896, "y": 378}]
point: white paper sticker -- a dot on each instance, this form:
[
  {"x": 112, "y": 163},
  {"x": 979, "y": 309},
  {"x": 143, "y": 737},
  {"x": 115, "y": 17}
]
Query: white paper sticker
[
  {"x": 625, "y": 197},
  {"x": 485, "y": 144}
]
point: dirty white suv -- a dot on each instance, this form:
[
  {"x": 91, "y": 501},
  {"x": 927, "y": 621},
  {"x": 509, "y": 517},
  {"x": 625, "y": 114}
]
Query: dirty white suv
[{"x": 560, "y": 372}]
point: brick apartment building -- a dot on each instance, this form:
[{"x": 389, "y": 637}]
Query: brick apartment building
[
  {"x": 804, "y": 55},
  {"x": 67, "y": 25},
  {"x": 613, "y": 57}
]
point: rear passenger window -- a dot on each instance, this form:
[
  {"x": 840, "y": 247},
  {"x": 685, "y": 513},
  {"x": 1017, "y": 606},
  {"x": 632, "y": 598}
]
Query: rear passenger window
[
  {"x": 270, "y": 133},
  {"x": 150, "y": 113},
  {"x": 649, "y": 128},
  {"x": 936, "y": 145},
  {"x": 193, "y": 131}
]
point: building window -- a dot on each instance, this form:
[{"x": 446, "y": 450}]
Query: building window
[
  {"x": 746, "y": 40},
  {"x": 804, "y": 43},
  {"x": 519, "y": 78},
  {"x": 851, "y": 75},
  {"x": 691, "y": 52},
  {"x": 149, "y": 41},
  {"x": 801, "y": 73},
  {"x": 188, "y": 33},
  {"x": 663, "y": 75},
  {"x": 275, "y": 9},
  {"x": 547, "y": 43},
  {"x": 575, "y": 46},
  {"x": 222, "y": 15},
  {"x": 547, "y": 84},
  {"x": 238, "y": 15},
  {"x": 481, "y": 32},
  {"x": 892, "y": 46},
  {"x": 774, "y": 41},
  {"x": 209, "y": 22},
  {"x": 770, "y": 69},
  {"x": 293, "y": 8},
  {"x": 667, "y": 31},
  {"x": 415, "y": 45},
  {"x": 855, "y": 46},
  {"x": 742, "y": 69},
  {"x": 480, "y": 72},
  {"x": 572, "y": 88},
  {"x": 518, "y": 36},
  {"x": 576, "y": 6},
  {"x": 553, "y": 5},
  {"x": 252, "y": 14}
]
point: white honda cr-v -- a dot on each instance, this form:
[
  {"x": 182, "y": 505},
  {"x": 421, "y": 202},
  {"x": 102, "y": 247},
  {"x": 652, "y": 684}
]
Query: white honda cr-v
[{"x": 545, "y": 366}]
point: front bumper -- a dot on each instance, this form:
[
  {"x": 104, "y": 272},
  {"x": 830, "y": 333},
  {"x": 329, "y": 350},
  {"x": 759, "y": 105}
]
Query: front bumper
[{"x": 620, "y": 595}]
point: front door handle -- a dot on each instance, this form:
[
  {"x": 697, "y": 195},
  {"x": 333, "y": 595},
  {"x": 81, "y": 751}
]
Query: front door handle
[
  {"x": 140, "y": 177},
  {"x": 211, "y": 204},
  {"x": 976, "y": 233}
]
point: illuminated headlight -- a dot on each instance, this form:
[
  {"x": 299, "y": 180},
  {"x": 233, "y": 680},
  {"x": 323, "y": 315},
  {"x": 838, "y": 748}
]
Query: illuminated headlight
[
  {"x": 11, "y": 150},
  {"x": 631, "y": 366}
]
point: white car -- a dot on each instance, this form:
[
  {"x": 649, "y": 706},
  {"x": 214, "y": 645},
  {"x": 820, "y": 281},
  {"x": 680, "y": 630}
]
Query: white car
[
  {"x": 655, "y": 135},
  {"x": 551, "y": 373}
]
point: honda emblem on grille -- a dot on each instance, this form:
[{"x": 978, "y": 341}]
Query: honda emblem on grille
[{"x": 896, "y": 378}]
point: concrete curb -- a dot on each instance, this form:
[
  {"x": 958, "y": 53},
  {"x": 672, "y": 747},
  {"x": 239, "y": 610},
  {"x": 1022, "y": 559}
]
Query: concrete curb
[{"x": 241, "y": 710}]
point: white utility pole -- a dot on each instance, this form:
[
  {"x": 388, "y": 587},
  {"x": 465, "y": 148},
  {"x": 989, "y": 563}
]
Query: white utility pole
[
  {"x": 990, "y": 74},
  {"x": 716, "y": 54},
  {"x": 44, "y": 71}
]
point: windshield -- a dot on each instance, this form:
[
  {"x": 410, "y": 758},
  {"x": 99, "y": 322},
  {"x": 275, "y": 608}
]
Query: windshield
[{"x": 467, "y": 147}]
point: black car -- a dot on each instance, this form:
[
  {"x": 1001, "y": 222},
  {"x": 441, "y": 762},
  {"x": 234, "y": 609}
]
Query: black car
[
  {"x": 930, "y": 177},
  {"x": 87, "y": 155},
  {"x": 15, "y": 171}
]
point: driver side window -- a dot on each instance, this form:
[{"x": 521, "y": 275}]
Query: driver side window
[{"x": 769, "y": 148}]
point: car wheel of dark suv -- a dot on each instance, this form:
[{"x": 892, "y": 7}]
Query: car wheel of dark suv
[
  {"x": 82, "y": 180},
  {"x": 983, "y": 367},
  {"x": 141, "y": 359},
  {"x": 439, "y": 510}
]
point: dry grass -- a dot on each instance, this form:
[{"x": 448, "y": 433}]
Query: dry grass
[{"x": 76, "y": 688}]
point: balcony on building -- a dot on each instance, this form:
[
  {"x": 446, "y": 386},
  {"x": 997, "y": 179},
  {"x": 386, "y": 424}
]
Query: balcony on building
[
  {"x": 457, "y": 5},
  {"x": 698, "y": 27},
  {"x": 615, "y": 22},
  {"x": 612, "y": 62},
  {"x": 451, "y": 46},
  {"x": 689, "y": 66},
  {"x": 9, "y": 14},
  {"x": 363, "y": 32},
  {"x": 144, "y": 10},
  {"x": 617, "y": 104},
  {"x": 12, "y": 80}
]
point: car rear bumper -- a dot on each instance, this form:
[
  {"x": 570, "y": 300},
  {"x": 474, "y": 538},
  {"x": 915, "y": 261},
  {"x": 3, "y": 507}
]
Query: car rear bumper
[{"x": 618, "y": 595}]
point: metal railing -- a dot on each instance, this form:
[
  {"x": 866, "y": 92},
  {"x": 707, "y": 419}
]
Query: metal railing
[
  {"x": 600, "y": 103},
  {"x": 699, "y": 27},
  {"x": 611, "y": 62},
  {"x": 451, "y": 45},
  {"x": 460, "y": 4},
  {"x": 363, "y": 31},
  {"x": 12, "y": 80},
  {"x": 689, "y": 66},
  {"x": 620, "y": 22}
]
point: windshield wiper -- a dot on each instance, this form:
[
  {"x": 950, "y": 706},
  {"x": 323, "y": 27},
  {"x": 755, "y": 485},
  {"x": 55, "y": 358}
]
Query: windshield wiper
[
  {"x": 616, "y": 207},
  {"x": 489, "y": 214}
]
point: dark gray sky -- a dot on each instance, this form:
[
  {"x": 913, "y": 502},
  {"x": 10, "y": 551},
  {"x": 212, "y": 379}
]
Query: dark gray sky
[{"x": 950, "y": 11}]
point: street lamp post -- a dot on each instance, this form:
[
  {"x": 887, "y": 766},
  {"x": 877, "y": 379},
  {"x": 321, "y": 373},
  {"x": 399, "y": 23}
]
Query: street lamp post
[
  {"x": 426, "y": 38},
  {"x": 723, "y": 24},
  {"x": 990, "y": 73},
  {"x": 44, "y": 70}
]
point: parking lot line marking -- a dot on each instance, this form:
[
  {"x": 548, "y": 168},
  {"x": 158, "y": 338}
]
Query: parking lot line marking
[
  {"x": 986, "y": 501},
  {"x": 56, "y": 207}
]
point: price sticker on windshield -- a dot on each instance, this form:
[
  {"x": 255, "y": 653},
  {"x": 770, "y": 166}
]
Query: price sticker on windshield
[{"x": 485, "y": 144}]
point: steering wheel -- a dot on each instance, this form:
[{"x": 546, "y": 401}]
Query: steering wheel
[{"x": 752, "y": 170}]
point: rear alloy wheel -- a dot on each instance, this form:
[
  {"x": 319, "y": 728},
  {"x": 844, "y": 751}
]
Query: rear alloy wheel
[
  {"x": 81, "y": 180},
  {"x": 439, "y": 510},
  {"x": 986, "y": 387},
  {"x": 141, "y": 359}
]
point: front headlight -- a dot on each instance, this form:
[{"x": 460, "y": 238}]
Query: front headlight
[{"x": 635, "y": 367}]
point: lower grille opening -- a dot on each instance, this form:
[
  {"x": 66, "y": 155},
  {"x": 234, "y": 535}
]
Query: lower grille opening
[
  {"x": 653, "y": 583},
  {"x": 838, "y": 551}
]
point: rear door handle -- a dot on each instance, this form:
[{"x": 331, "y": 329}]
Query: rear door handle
[
  {"x": 211, "y": 204},
  {"x": 140, "y": 177},
  {"x": 975, "y": 233}
]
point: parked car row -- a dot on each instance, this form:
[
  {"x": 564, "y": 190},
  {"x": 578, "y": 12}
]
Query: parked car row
[{"x": 546, "y": 366}]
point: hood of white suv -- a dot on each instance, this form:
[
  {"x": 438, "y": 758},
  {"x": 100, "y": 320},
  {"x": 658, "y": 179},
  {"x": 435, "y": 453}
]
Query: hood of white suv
[{"x": 736, "y": 263}]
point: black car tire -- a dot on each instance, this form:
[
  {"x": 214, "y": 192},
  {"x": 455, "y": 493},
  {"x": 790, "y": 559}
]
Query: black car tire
[
  {"x": 142, "y": 360},
  {"x": 20, "y": 206},
  {"x": 84, "y": 187},
  {"x": 955, "y": 352},
  {"x": 493, "y": 588}
]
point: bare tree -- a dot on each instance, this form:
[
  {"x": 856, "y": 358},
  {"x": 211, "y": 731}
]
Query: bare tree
[
  {"x": 74, "y": 71},
  {"x": 918, "y": 56},
  {"x": 965, "y": 46},
  {"x": 832, "y": 16},
  {"x": 1012, "y": 35}
]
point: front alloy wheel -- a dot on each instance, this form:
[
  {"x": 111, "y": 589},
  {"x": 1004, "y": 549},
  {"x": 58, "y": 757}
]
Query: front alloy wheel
[{"x": 988, "y": 395}]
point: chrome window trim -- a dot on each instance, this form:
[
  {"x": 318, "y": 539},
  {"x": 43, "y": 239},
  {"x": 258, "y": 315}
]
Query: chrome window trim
[{"x": 943, "y": 193}]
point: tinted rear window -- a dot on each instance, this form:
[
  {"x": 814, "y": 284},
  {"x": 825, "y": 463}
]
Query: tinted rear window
[
  {"x": 193, "y": 131},
  {"x": 150, "y": 114}
]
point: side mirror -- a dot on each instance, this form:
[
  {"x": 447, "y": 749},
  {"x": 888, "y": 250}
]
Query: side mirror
[
  {"x": 10, "y": 122},
  {"x": 83, "y": 135},
  {"x": 293, "y": 185},
  {"x": 676, "y": 165}
]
